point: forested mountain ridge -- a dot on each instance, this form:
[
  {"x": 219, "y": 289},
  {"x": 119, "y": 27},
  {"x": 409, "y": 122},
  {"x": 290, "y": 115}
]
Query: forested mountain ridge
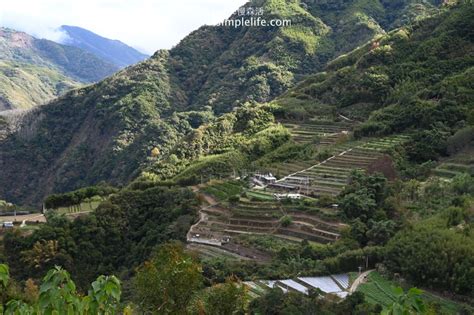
[
  {"x": 112, "y": 51},
  {"x": 106, "y": 131},
  {"x": 423, "y": 70},
  {"x": 415, "y": 79},
  {"x": 258, "y": 64},
  {"x": 34, "y": 71}
]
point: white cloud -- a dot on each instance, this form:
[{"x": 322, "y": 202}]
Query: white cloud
[{"x": 146, "y": 24}]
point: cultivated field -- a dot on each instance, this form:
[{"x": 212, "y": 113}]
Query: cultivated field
[
  {"x": 323, "y": 133},
  {"x": 461, "y": 163},
  {"x": 259, "y": 214},
  {"x": 233, "y": 210},
  {"x": 331, "y": 175},
  {"x": 379, "y": 290}
]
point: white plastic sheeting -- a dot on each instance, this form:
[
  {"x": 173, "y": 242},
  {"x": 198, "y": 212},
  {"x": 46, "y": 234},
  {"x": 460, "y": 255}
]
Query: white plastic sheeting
[
  {"x": 343, "y": 280},
  {"x": 295, "y": 286},
  {"x": 342, "y": 294},
  {"x": 325, "y": 284},
  {"x": 273, "y": 284}
]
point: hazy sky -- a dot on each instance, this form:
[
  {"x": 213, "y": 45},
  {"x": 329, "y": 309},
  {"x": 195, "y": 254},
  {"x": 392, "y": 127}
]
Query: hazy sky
[{"x": 145, "y": 24}]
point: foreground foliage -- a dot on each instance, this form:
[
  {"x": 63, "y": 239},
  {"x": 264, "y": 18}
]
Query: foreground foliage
[{"x": 57, "y": 294}]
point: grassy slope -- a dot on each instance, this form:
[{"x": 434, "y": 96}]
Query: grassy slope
[{"x": 24, "y": 85}]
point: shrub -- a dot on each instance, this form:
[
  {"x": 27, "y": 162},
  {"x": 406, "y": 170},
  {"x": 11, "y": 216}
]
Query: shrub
[
  {"x": 429, "y": 256},
  {"x": 286, "y": 221},
  {"x": 426, "y": 145},
  {"x": 188, "y": 181},
  {"x": 371, "y": 128},
  {"x": 460, "y": 139},
  {"x": 234, "y": 198},
  {"x": 463, "y": 184}
]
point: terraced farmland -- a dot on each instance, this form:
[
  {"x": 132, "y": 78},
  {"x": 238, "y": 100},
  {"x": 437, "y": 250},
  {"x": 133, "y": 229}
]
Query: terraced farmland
[
  {"x": 379, "y": 290},
  {"x": 257, "y": 213},
  {"x": 330, "y": 176},
  {"x": 461, "y": 163},
  {"x": 221, "y": 222},
  {"x": 87, "y": 206},
  {"x": 223, "y": 190},
  {"x": 207, "y": 251},
  {"x": 317, "y": 132}
]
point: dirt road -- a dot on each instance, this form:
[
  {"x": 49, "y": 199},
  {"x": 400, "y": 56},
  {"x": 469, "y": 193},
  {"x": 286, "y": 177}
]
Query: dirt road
[
  {"x": 360, "y": 279},
  {"x": 20, "y": 218}
]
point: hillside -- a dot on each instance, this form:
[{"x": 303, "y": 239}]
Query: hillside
[
  {"x": 106, "y": 131},
  {"x": 412, "y": 77},
  {"x": 112, "y": 51},
  {"x": 34, "y": 71}
]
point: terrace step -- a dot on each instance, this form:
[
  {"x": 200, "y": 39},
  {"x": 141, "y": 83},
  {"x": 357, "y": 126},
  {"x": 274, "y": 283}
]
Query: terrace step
[
  {"x": 252, "y": 218},
  {"x": 316, "y": 222},
  {"x": 246, "y": 228},
  {"x": 330, "y": 171},
  {"x": 326, "y": 174},
  {"x": 329, "y": 183},
  {"x": 347, "y": 164},
  {"x": 320, "y": 191},
  {"x": 213, "y": 251},
  {"x": 446, "y": 173},
  {"x": 289, "y": 238},
  {"x": 305, "y": 236},
  {"x": 253, "y": 223},
  {"x": 320, "y": 232},
  {"x": 349, "y": 157},
  {"x": 456, "y": 167},
  {"x": 214, "y": 211}
]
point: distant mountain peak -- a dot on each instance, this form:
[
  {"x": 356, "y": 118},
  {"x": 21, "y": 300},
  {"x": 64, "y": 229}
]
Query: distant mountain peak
[
  {"x": 33, "y": 71},
  {"x": 16, "y": 39},
  {"x": 111, "y": 50}
]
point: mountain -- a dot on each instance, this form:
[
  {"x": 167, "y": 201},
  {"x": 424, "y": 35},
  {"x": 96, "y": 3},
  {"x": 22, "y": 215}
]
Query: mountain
[
  {"x": 112, "y": 51},
  {"x": 107, "y": 131},
  {"x": 412, "y": 77},
  {"x": 34, "y": 71}
]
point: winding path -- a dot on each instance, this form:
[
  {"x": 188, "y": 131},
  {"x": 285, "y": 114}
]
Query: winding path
[{"x": 202, "y": 216}]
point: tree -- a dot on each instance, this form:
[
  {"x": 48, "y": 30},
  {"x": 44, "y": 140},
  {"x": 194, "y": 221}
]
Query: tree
[
  {"x": 166, "y": 283},
  {"x": 463, "y": 184},
  {"x": 358, "y": 204},
  {"x": 226, "y": 298},
  {"x": 286, "y": 221},
  {"x": 380, "y": 232},
  {"x": 155, "y": 152},
  {"x": 119, "y": 235},
  {"x": 427, "y": 145},
  {"x": 433, "y": 256},
  {"x": 58, "y": 295}
]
